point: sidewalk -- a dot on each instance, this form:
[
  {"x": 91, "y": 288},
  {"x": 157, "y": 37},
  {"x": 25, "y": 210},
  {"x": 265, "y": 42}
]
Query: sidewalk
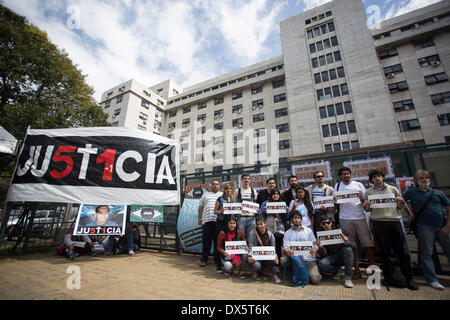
[{"x": 166, "y": 276}]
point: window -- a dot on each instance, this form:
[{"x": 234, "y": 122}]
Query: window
[
  {"x": 200, "y": 143},
  {"x": 218, "y": 100},
  {"x": 343, "y": 128},
  {"x": 115, "y": 124},
  {"x": 122, "y": 89},
  {"x": 281, "y": 112},
  {"x": 333, "y": 75},
  {"x": 171, "y": 126},
  {"x": 345, "y": 145},
  {"x": 217, "y": 169},
  {"x": 283, "y": 144},
  {"x": 326, "y": 44},
  {"x": 184, "y": 146},
  {"x": 314, "y": 62},
  {"x": 328, "y": 148},
  {"x": 201, "y": 117},
  {"x": 328, "y": 14},
  {"x": 329, "y": 58},
  {"x": 257, "y": 103},
  {"x": 340, "y": 72},
  {"x": 396, "y": 68},
  {"x": 201, "y": 130},
  {"x": 186, "y": 122},
  {"x": 320, "y": 95},
  {"x": 238, "y": 136},
  {"x": 348, "y": 107},
  {"x": 217, "y": 154},
  {"x": 218, "y": 126},
  {"x": 351, "y": 126},
  {"x": 316, "y": 32},
  {"x": 339, "y": 109},
  {"x": 280, "y": 97},
  {"x": 258, "y": 117},
  {"x": 337, "y": 56},
  {"x": 159, "y": 102},
  {"x": 283, "y": 127},
  {"x": 116, "y": 112},
  {"x": 334, "y": 41},
  {"x": 334, "y": 129},
  {"x": 238, "y": 152},
  {"x": 145, "y": 103},
  {"x": 237, "y": 109},
  {"x": 388, "y": 53},
  {"x": 428, "y": 61},
  {"x": 336, "y": 92},
  {"x": 324, "y": 76},
  {"x": 218, "y": 140},
  {"x": 278, "y": 84},
  {"x": 107, "y": 103},
  {"x": 218, "y": 113},
  {"x": 330, "y": 110},
  {"x": 201, "y": 106},
  {"x": 236, "y": 95},
  {"x": 186, "y": 110},
  {"x": 403, "y": 105},
  {"x": 141, "y": 127},
  {"x": 327, "y": 93},
  {"x": 312, "y": 48},
  {"x": 172, "y": 113},
  {"x": 423, "y": 43},
  {"x": 185, "y": 133},
  {"x": 322, "y": 61},
  {"x": 323, "y": 112},
  {"x": 408, "y": 125},
  {"x": 444, "y": 119},
  {"x": 440, "y": 98},
  {"x": 310, "y": 34},
  {"x": 261, "y": 132},
  {"x": 119, "y": 98},
  {"x": 259, "y": 148},
  {"x": 397, "y": 86},
  {"x": 319, "y": 46},
  {"x": 199, "y": 170},
  {"x": 143, "y": 116},
  {"x": 436, "y": 78},
  {"x": 355, "y": 144},
  {"x": 325, "y": 131},
  {"x": 238, "y": 122},
  {"x": 344, "y": 89},
  {"x": 323, "y": 28},
  {"x": 336, "y": 146},
  {"x": 257, "y": 90},
  {"x": 317, "y": 78}
]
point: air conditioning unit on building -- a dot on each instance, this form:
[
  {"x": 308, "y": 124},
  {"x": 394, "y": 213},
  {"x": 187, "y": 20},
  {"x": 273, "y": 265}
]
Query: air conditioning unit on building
[
  {"x": 239, "y": 111},
  {"x": 436, "y": 63},
  {"x": 391, "y": 75},
  {"x": 240, "y": 125},
  {"x": 216, "y": 116},
  {"x": 261, "y": 106},
  {"x": 254, "y": 107},
  {"x": 220, "y": 115}
]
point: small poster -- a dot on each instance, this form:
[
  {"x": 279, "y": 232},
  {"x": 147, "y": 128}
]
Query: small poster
[
  {"x": 250, "y": 207},
  {"x": 348, "y": 196},
  {"x": 257, "y": 182},
  {"x": 326, "y": 201},
  {"x": 275, "y": 207},
  {"x": 232, "y": 208},
  {"x": 148, "y": 213},
  {"x": 330, "y": 237},
  {"x": 79, "y": 244},
  {"x": 404, "y": 183},
  {"x": 304, "y": 172},
  {"x": 195, "y": 191},
  {"x": 301, "y": 248},
  {"x": 100, "y": 220},
  {"x": 382, "y": 201},
  {"x": 361, "y": 168},
  {"x": 263, "y": 253},
  {"x": 236, "y": 247}
]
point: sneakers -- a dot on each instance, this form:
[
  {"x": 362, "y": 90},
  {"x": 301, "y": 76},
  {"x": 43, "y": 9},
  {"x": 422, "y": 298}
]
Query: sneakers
[
  {"x": 73, "y": 255},
  {"x": 436, "y": 285},
  {"x": 276, "y": 279},
  {"x": 131, "y": 252},
  {"x": 348, "y": 284},
  {"x": 242, "y": 275},
  {"x": 95, "y": 252},
  {"x": 255, "y": 275},
  {"x": 202, "y": 264},
  {"x": 412, "y": 285},
  {"x": 219, "y": 269}
]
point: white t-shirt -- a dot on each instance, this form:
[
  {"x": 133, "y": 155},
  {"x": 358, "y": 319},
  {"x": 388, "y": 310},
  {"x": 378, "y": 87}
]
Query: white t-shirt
[
  {"x": 351, "y": 211},
  {"x": 246, "y": 195},
  {"x": 305, "y": 234},
  {"x": 304, "y": 211}
]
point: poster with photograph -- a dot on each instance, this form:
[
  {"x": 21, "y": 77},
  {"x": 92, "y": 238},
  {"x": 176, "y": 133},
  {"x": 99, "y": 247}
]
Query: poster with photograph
[
  {"x": 404, "y": 183},
  {"x": 326, "y": 201},
  {"x": 301, "y": 248},
  {"x": 236, "y": 247},
  {"x": 148, "y": 213},
  {"x": 257, "y": 181},
  {"x": 284, "y": 177},
  {"x": 304, "y": 172},
  {"x": 263, "y": 253},
  {"x": 94, "y": 219},
  {"x": 382, "y": 201},
  {"x": 275, "y": 207},
  {"x": 250, "y": 206},
  {"x": 232, "y": 208},
  {"x": 361, "y": 168},
  {"x": 347, "y": 196},
  {"x": 330, "y": 237}
]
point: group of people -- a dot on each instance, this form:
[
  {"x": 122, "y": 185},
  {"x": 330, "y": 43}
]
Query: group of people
[{"x": 362, "y": 224}]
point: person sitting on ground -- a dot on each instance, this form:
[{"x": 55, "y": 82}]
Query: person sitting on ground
[
  {"x": 333, "y": 256},
  {"x": 261, "y": 236},
  {"x": 73, "y": 244},
  {"x": 232, "y": 232},
  {"x": 120, "y": 244}
]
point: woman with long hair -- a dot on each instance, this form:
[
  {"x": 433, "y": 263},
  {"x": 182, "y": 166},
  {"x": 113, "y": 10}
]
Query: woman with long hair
[
  {"x": 302, "y": 203},
  {"x": 232, "y": 232},
  {"x": 227, "y": 197}
]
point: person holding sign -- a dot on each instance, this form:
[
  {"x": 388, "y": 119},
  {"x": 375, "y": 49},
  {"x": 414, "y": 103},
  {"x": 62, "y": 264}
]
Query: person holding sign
[
  {"x": 387, "y": 228},
  {"x": 246, "y": 219},
  {"x": 300, "y": 233},
  {"x": 333, "y": 256},
  {"x": 232, "y": 233},
  {"x": 302, "y": 203},
  {"x": 352, "y": 218},
  {"x": 261, "y": 236},
  {"x": 275, "y": 222},
  {"x": 76, "y": 245}
]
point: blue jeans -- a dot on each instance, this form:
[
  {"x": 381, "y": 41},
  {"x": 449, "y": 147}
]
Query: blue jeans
[
  {"x": 246, "y": 224},
  {"x": 208, "y": 238},
  {"x": 343, "y": 258},
  {"x": 426, "y": 236},
  {"x": 259, "y": 264}
]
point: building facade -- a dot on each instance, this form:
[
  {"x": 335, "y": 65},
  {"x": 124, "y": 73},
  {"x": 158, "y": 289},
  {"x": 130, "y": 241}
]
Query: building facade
[{"x": 338, "y": 86}]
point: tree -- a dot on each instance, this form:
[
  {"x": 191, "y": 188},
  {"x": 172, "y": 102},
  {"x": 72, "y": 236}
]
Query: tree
[{"x": 39, "y": 85}]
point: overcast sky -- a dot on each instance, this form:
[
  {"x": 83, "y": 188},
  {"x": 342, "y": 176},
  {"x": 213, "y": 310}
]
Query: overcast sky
[{"x": 187, "y": 41}]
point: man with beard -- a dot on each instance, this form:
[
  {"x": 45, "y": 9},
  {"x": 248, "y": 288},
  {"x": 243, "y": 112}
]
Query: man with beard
[
  {"x": 289, "y": 194},
  {"x": 427, "y": 205}
]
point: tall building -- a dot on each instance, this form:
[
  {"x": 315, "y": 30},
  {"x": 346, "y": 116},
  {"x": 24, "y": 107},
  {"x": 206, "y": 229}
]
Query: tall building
[{"x": 338, "y": 86}]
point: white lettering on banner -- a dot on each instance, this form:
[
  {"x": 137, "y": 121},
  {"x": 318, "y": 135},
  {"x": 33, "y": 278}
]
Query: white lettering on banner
[
  {"x": 128, "y": 177},
  {"x": 84, "y": 163},
  {"x": 150, "y": 174},
  {"x": 164, "y": 168},
  {"x": 45, "y": 163}
]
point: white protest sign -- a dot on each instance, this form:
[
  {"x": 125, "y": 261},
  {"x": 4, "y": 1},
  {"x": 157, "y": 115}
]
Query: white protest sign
[
  {"x": 347, "y": 196},
  {"x": 250, "y": 207},
  {"x": 263, "y": 253},
  {"x": 79, "y": 244},
  {"x": 232, "y": 208},
  {"x": 275, "y": 207},
  {"x": 382, "y": 201},
  {"x": 235, "y": 247},
  {"x": 301, "y": 248},
  {"x": 330, "y": 237},
  {"x": 326, "y": 201},
  {"x": 98, "y": 246}
]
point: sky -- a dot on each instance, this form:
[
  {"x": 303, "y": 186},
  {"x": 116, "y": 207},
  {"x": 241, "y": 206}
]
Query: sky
[{"x": 188, "y": 41}]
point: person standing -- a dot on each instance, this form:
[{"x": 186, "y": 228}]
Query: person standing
[
  {"x": 207, "y": 219},
  {"x": 263, "y": 195},
  {"x": 320, "y": 189},
  {"x": 246, "y": 220},
  {"x": 302, "y": 204},
  {"x": 289, "y": 194},
  {"x": 427, "y": 206},
  {"x": 352, "y": 218},
  {"x": 388, "y": 231}
]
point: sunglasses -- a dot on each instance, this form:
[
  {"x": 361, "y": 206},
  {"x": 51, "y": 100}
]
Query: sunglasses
[
  {"x": 326, "y": 222},
  {"x": 318, "y": 177}
]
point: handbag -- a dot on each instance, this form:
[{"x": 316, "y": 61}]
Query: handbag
[{"x": 416, "y": 216}]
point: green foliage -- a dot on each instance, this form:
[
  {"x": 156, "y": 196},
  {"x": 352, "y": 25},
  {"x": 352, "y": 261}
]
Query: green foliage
[{"x": 39, "y": 85}]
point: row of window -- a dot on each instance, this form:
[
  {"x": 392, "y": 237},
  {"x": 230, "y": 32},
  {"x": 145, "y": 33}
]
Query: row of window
[
  {"x": 429, "y": 80},
  {"x": 323, "y": 45},
  {"x": 335, "y": 110},
  {"x": 408, "y": 125},
  {"x": 444, "y": 119},
  {"x": 319, "y": 17},
  {"x": 328, "y": 75},
  {"x": 338, "y": 90},
  {"x": 334, "y": 129},
  {"x": 320, "y": 30},
  {"x": 340, "y": 147},
  {"x": 326, "y": 59}
]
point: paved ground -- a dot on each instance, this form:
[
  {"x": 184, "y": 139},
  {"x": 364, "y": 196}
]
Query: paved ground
[{"x": 167, "y": 276}]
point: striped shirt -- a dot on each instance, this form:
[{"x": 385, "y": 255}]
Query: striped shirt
[
  {"x": 208, "y": 202},
  {"x": 433, "y": 214}
]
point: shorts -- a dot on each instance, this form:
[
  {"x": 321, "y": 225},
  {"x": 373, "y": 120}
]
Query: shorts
[{"x": 358, "y": 229}]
